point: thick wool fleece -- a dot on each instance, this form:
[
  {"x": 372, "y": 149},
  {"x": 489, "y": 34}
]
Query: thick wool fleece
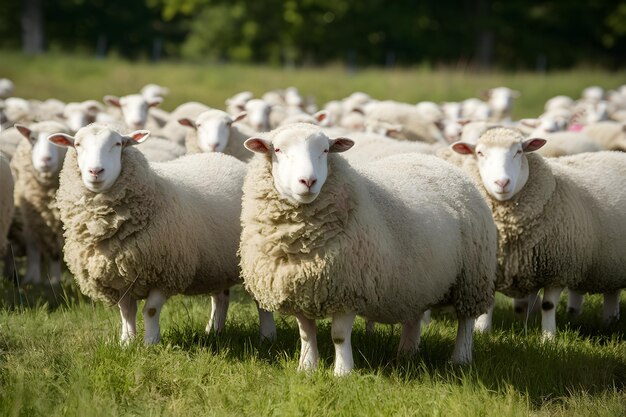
[
  {"x": 34, "y": 202},
  {"x": 384, "y": 243},
  {"x": 609, "y": 135},
  {"x": 6, "y": 201},
  {"x": 173, "y": 226},
  {"x": 565, "y": 228}
]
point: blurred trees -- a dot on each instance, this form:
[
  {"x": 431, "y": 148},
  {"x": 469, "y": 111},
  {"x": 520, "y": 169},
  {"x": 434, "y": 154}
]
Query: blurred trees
[{"x": 464, "y": 33}]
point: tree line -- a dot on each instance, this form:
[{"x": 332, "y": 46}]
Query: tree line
[{"x": 509, "y": 34}]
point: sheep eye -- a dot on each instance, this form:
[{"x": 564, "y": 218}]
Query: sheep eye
[
  {"x": 77, "y": 145},
  {"x": 479, "y": 153},
  {"x": 519, "y": 152},
  {"x": 276, "y": 150},
  {"x": 118, "y": 144},
  {"x": 325, "y": 150}
]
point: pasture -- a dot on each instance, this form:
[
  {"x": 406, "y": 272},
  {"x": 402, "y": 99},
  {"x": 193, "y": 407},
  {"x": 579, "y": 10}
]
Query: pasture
[{"x": 59, "y": 353}]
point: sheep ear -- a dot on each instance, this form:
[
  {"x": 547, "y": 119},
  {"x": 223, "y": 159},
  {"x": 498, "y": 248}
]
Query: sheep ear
[
  {"x": 358, "y": 110},
  {"x": 530, "y": 122},
  {"x": 188, "y": 122},
  {"x": 112, "y": 100},
  {"x": 463, "y": 148},
  {"x": 239, "y": 117},
  {"x": 533, "y": 144},
  {"x": 393, "y": 131},
  {"x": 136, "y": 137},
  {"x": 61, "y": 139},
  {"x": 156, "y": 102},
  {"x": 24, "y": 131},
  {"x": 340, "y": 144},
  {"x": 320, "y": 116},
  {"x": 464, "y": 122},
  {"x": 258, "y": 145}
]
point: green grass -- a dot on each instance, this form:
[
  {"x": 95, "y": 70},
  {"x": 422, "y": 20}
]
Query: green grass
[
  {"x": 79, "y": 78},
  {"x": 59, "y": 354}
]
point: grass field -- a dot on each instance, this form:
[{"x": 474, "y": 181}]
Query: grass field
[
  {"x": 76, "y": 78},
  {"x": 59, "y": 354}
]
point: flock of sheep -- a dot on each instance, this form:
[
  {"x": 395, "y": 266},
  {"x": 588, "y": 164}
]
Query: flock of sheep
[{"x": 427, "y": 205}]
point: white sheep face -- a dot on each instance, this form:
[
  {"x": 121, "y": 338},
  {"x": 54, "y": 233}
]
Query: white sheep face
[
  {"x": 501, "y": 99},
  {"x": 503, "y": 169},
  {"x": 213, "y": 135},
  {"x": 134, "y": 109},
  {"x": 258, "y": 114},
  {"x": 99, "y": 153},
  {"x": 45, "y": 157},
  {"x": 75, "y": 116},
  {"x": 299, "y": 161}
]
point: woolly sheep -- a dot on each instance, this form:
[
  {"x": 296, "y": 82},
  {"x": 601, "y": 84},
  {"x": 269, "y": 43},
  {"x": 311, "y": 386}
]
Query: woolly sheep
[
  {"x": 475, "y": 109},
  {"x": 79, "y": 115},
  {"x": 414, "y": 127},
  {"x": 258, "y": 114},
  {"x": 237, "y": 103},
  {"x": 6, "y": 201},
  {"x": 36, "y": 165},
  {"x": 561, "y": 221},
  {"x": 452, "y": 110},
  {"x": 9, "y": 141},
  {"x": 429, "y": 111},
  {"x": 17, "y": 109},
  {"x": 558, "y": 102},
  {"x": 216, "y": 131},
  {"x": 135, "y": 230},
  {"x": 373, "y": 147},
  {"x": 6, "y": 88},
  {"x": 500, "y": 100},
  {"x": 173, "y": 130},
  {"x": 376, "y": 242},
  {"x": 134, "y": 108},
  {"x": 161, "y": 150},
  {"x": 559, "y": 143},
  {"x": 315, "y": 119},
  {"x": 154, "y": 92},
  {"x": 610, "y": 136},
  {"x": 593, "y": 94}
]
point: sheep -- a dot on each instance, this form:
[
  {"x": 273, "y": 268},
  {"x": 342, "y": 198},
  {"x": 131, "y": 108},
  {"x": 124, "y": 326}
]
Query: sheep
[
  {"x": 315, "y": 119},
  {"x": 17, "y": 110},
  {"x": 429, "y": 111},
  {"x": 6, "y": 88},
  {"x": 414, "y": 127},
  {"x": 452, "y": 110},
  {"x": 610, "y": 136},
  {"x": 79, "y": 115},
  {"x": 135, "y": 230},
  {"x": 334, "y": 110},
  {"x": 500, "y": 100},
  {"x": 560, "y": 221},
  {"x": 373, "y": 147},
  {"x": 215, "y": 131},
  {"x": 161, "y": 150},
  {"x": 9, "y": 141},
  {"x": 173, "y": 130},
  {"x": 6, "y": 201},
  {"x": 36, "y": 165},
  {"x": 237, "y": 103},
  {"x": 135, "y": 108},
  {"x": 559, "y": 143},
  {"x": 475, "y": 109},
  {"x": 559, "y": 102},
  {"x": 386, "y": 241},
  {"x": 154, "y": 92},
  {"x": 258, "y": 114},
  {"x": 593, "y": 94}
]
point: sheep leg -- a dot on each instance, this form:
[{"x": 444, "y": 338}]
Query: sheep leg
[
  {"x": 483, "y": 322},
  {"x": 370, "y": 326},
  {"x": 574, "y": 303},
  {"x": 54, "y": 271},
  {"x": 534, "y": 303},
  {"x": 341, "y": 332},
  {"x": 33, "y": 267},
  {"x": 462, "y": 353},
  {"x": 410, "y": 337},
  {"x": 611, "y": 307},
  {"x": 151, "y": 312},
  {"x": 267, "y": 325},
  {"x": 128, "y": 311},
  {"x": 309, "y": 354},
  {"x": 219, "y": 310},
  {"x": 548, "y": 312}
]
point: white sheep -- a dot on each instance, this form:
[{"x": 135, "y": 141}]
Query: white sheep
[
  {"x": 135, "y": 230},
  {"x": 500, "y": 100},
  {"x": 36, "y": 165},
  {"x": 475, "y": 109},
  {"x": 237, "y": 103},
  {"x": 559, "y": 102},
  {"x": 79, "y": 115},
  {"x": 560, "y": 221},
  {"x": 6, "y": 88},
  {"x": 429, "y": 111},
  {"x": 414, "y": 126},
  {"x": 258, "y": 112},
  {"x": 386, "y": 241},
  {"x": 216, "y": 131},
  {"x": 173, "y": 130},
  {"x": 6, "y": 201},
  {"x": 373, "y": 147},
  {"x": 559, "y": 143},
  {"x": 593, "y": 94},
  {"x": 9, "y": 141},
  {"x": 134, "y": 108},
  {"x": 154, "y": 92},
  {"x": 610, "y": 136}
]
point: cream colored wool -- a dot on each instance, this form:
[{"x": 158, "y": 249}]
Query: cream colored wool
[
  {"x": 609, "y": 135},
  {"x": 384, "y": 243},
  {"x": 173, "y": 130},
  {"x": 161, "y": 150},
  {"x": 566, "y": 227},
  {"x": 34, "y": 197},
  {"x": 6, "y": 201},
  {"x": 567, "y": 143},
  {"x": 414, "y": 125},
  {"x": 171, "y": 226},
  {"x": 373, "y": 147},
  {"x": 9, "y": 141}
]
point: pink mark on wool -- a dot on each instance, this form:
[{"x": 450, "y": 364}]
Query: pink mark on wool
[{"x": 575, "y": 127}]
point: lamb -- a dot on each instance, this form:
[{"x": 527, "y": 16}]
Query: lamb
[
  {"x": 610, "y": 136},
  {"x": 215, "y": 131},
  {"x": 135, "y": 230},
  {"x": 6, "y": 201},
  {"x": 376, "y": 241},
  {"x": 560, "y": 221},
  {"x": 36, "y": 165},
  {"x": 134, "y": 108}
]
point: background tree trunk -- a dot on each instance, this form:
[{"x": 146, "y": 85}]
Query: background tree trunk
[{"x": 32, "y": 27}]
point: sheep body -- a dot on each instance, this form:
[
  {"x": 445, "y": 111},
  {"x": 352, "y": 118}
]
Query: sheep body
[
  {"x": 6, "y": 201},
  {"x": 608, "y": 135}
]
